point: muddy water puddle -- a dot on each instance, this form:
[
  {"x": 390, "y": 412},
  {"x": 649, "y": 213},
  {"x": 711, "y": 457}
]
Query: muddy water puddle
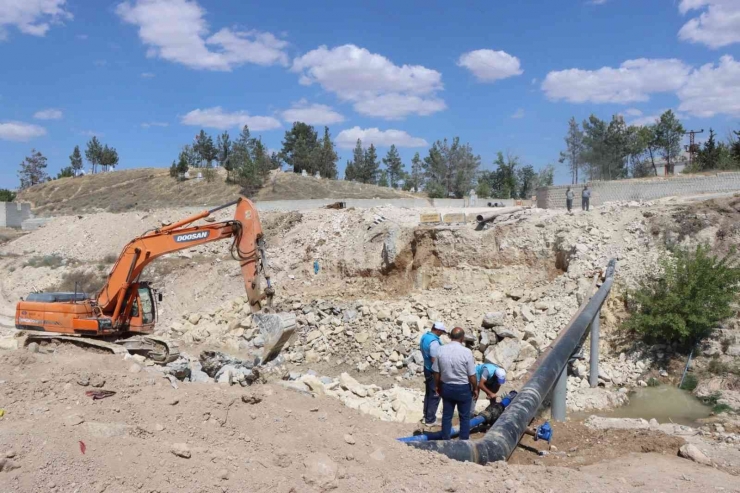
[{"x": 665, "y": 403}]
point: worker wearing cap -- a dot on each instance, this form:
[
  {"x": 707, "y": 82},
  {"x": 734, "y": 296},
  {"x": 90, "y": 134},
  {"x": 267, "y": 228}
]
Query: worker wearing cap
[
  {"x": 454, "y": 374},
  {"x": 490, "y": 379},
  {"x": 429, "y": 346}
]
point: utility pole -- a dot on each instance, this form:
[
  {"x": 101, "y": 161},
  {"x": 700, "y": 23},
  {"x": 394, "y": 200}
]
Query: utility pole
[{"x": 692, "y": 148}]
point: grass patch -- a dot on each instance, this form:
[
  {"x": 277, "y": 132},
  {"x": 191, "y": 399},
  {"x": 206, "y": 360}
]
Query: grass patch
[
  {"x": 717, "y": 367},
  {"x": 52, "y": 261},
  {"x": 110, "y": 258},
  {"x": 689, "y": 382},
  {"x": 653, "y": 382},
  {"x": 721, "y": 408}
]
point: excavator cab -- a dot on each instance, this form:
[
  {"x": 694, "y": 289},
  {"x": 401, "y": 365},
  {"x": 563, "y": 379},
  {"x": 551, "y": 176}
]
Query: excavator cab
[{"x": 143, "y": 313}]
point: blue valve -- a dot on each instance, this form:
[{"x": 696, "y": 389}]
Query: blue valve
[{"x": 543, "y": 432}]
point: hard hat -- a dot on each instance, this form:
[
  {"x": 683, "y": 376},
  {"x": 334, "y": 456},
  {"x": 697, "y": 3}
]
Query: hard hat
[
  {"x": 500, "y": 374},
  {"x": 439, "y": 326}
]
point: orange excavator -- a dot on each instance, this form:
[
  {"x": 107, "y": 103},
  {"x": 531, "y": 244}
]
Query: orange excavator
[{"x": 124, "y": 311}]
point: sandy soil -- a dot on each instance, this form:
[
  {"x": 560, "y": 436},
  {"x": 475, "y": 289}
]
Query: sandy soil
[{"x": 287, "y": 442}]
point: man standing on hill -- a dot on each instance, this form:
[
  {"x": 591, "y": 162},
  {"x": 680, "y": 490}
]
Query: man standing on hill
[
  {"x": 585, "y": 198},
  {"x": 569, "y": 199},
  {"x": 429, "y": 345},
  {"x": 454, "y": 374}
]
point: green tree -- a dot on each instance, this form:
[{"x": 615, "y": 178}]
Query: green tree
[
  {"x": 435, "y": 172},
  {"x": 393, "y": 166},
  {"x": 686, "y": 299},
  {"x": 350, "y": 173},
  {"x": 325, "y": 157},
  {"x": 246, "y": 171},
  {"x": 33, "y": 170},
  {"x": 371, "y": 166},
  {"x": 526, "y": 181},
  {"x": 546, "y": 176},
  {"x": 223, "y": 153},
  {"x": 483, "y": 190},
  {"x": 173, "y": 171},
  {"x": 643, "y": 152},
  {"x": 75, "y": 161},
  {"x": 66, "y": 172},
  {"x": 93, "y": 153},
  {"x": 383, "y": 179},
  {"x": 503, "y": 181},
  {"x": 669, "y": 133},
  {"x": 735, "y": 146},
  {"x": 6, "y": 195},
  {"x": 108, "y": 158},
  {"x": 298, "y": 147},
  {"x": 205, "y": 148},
  {"x": 416, "y": 178},
  {"x": 573, "y": 154},
  {"x": 709, "y": 155},
  {"x": 261, "y": 159}
]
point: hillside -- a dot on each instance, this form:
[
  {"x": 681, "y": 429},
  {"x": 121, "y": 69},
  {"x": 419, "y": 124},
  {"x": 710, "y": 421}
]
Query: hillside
[{"x": 152, "y": 188}]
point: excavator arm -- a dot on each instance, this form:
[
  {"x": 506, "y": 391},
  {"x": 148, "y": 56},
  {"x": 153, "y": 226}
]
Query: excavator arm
[{"x": 247, "y": 247}]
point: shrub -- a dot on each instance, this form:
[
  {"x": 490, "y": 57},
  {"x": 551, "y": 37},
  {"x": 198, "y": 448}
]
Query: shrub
[
  {"x": 717, "y": 367},
  {"x": 52, "y": 261},
  {"x": 686, "y": 299},
  {"x": 653, "y": 382},
  {"x": 435, "y": 190},
  {"x": 689, "y": 382},
  {"x": 86, "y": 281},
  {"x": 721, "y": 408}
]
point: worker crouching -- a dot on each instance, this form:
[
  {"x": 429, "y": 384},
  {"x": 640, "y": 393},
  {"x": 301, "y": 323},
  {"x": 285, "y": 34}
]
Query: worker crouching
[
  {"x": 490, "y": 379},
  {"x": 456, "y": 382}
]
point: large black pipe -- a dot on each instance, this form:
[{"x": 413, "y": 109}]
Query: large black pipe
[{"x": 505, "y": 434}]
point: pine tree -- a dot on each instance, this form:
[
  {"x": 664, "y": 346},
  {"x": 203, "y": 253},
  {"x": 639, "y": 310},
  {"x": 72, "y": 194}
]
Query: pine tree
[
  {"x": 393, "y": 166},
  {"x": 182, "y": 165},
  {"x": 383, "y": 180},
  {"x": 708, "y": 156},
  {"x": 574, "y": 149},
  {"x": 371, "y": 166},
  {"x": 298, "y": 147},
  {"x": 350, "y": 174},
  {"x": 325, "y": 157},
  {"x": 93, "y": 152},
  {"x": 75, "y": 161},
  {"x": 108, "y": 158},
  {"x": 669, "y": 133},
  {"x": 417, "y": 171},
  {"x": 223, "y": 150},
  {"x": 33, "y": 170},
  {"x": 173, "y": 170}
]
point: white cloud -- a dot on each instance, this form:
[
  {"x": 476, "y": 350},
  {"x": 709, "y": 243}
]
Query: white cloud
[
  {"x": 48, "y": 114},
  {"x": 81, "y": 37},
  {"x": 32, "y": 17},
  {"x": 712, "y": 90},
  {"x": 369, "y": 80},
  {"x": 347, "y": 139},
  {"x": 394, "y": 106},
  {"x": 632, "y": 81},
  {"x": 20, "y": 132},
  {"x": 490, "y": 65},
  {"x": 645, "y": 120},
  {"x": 216, "y": 117},
  {"x": 313, "y": 114},
  {"x": 519, "y": 113},
  {"x": 154, "y": 124},
  {"x": 718, "y": 25},
  {"x": 176, "y": 30},
  {"x": 633, "y": 112},
  {"x": 147, "y": 75}
]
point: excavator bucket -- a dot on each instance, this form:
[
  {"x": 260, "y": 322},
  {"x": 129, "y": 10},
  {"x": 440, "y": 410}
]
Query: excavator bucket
[{"x": 276, "y": 329}]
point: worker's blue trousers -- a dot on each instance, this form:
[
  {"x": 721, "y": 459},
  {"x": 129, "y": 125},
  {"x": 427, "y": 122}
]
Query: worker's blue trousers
[
  {"x": 456, "y": 396},
  {"x": 431, "y": 399}
]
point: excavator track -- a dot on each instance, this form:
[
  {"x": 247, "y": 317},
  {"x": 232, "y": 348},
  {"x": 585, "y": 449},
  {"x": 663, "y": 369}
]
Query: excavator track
[{"x": 157, "y": 349}]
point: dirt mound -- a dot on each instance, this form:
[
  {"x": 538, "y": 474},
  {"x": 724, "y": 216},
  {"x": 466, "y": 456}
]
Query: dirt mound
[{"x": 153, "y": 188}]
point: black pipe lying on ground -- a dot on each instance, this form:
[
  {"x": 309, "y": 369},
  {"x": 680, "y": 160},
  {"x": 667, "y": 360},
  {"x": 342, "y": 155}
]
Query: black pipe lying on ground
[{"x": 505, "y": 434}]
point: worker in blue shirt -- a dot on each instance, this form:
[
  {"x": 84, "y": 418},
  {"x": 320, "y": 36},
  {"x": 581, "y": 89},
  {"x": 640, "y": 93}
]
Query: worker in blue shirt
[
  {"x": 429, "y": 346},
  {"x": 490, "y": 379}
]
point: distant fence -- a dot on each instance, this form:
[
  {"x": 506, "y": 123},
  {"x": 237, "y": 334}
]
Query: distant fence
[{"x": 640, "y": 189}]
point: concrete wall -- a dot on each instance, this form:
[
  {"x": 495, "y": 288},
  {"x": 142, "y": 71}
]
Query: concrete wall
[
  {"x": 640, "y": 189},
  {"x": 12, "y": 214}
]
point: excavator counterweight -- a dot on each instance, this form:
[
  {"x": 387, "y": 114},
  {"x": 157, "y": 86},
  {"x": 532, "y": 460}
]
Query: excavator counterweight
[{"x": 126, "y": 306}]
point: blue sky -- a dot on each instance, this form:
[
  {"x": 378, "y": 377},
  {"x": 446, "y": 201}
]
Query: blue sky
[{"x": 146, "y": 75}]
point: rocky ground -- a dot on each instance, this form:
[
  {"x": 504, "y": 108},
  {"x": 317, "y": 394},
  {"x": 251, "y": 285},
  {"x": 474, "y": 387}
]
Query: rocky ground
[
  {"x": 383, "y": 279},
  {"x": 152, "y": 437}
]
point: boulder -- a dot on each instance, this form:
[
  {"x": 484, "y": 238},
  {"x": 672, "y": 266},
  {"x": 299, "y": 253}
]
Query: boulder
[
  {"x": 504, "y": 353},
  {"x": 692, "y": 452},
  {"x": 349, "y": 383},
  {"x": 527, "y": 314},
  {"x": 493, "y": 319},
  {"x": 321, "y": 471}
]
